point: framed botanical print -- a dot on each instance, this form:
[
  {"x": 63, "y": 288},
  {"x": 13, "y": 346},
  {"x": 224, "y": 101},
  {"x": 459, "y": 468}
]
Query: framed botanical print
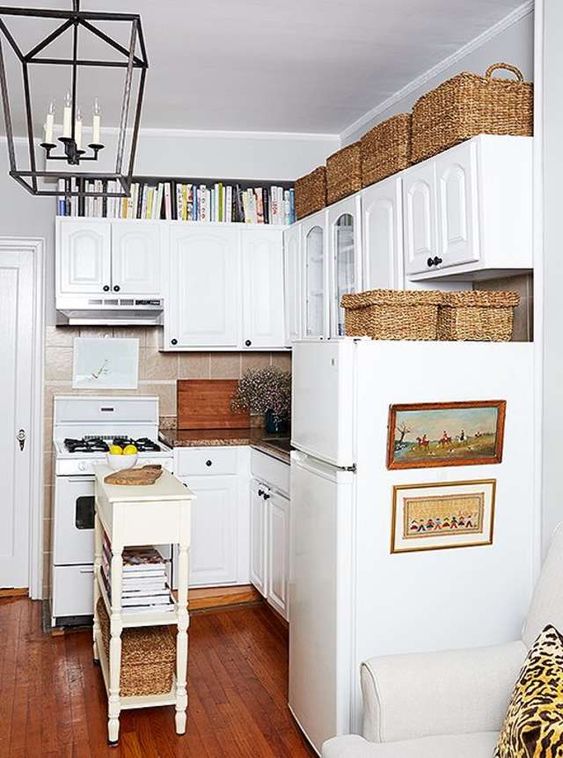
[
  {"x": 444, "y": 515},
  {"x": 423, "y": 435}
]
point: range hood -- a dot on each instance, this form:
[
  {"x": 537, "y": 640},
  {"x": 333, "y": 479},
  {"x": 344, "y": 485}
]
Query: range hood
[{"x": 100, "y": 311}]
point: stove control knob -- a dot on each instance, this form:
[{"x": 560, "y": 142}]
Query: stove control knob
[{"x": 82, "y": 466}]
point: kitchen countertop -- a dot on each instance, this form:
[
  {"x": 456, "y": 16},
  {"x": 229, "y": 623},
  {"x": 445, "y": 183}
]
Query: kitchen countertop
[{"x": 278, "y": 447}]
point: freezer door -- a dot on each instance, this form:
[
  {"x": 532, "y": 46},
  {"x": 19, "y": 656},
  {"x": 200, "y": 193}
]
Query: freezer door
[
  {"x": 323, "y": 400},
  {"x": 320, "y": 598}
]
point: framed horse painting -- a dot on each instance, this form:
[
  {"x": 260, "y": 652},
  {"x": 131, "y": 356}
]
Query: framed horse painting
[{"x": 468, "y": 433}]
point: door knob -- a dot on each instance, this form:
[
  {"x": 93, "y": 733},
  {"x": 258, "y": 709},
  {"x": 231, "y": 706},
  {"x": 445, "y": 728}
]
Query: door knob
[
  {"x": 248, "y": 343},
  {"x": 106, "y": 287},
  {"x": 208, "y": 463},
  {"x": 20, "y": 436},
  {"x": 173, "y": 342},
  {"x": 116, "y": 288}
]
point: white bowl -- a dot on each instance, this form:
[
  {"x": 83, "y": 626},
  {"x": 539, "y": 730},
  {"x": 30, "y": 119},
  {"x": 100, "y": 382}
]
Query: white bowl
[{"x": 120, "y": 462}]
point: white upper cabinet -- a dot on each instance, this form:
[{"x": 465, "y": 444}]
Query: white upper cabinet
[
  {"x": 263, "y": 293},
  {"x": 344, "y": 233},
  {"x": 204, "y": 285},
  {"x": 382, "y": 224},
  {"x": 83, "y": 257},
  {"x": 136, "y": 258},
  {"x": 468, "y": 211},
  {"x": 292, "y": 283},
  {"x": 315, "y": 276}
]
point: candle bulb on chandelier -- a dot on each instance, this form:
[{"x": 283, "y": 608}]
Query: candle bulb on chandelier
[
  {"x": 78, "y": 130},
  {"x": 97, "y": 123},
  {"x": 50, "y": 124},
  {"x": 67, "y": 116}
]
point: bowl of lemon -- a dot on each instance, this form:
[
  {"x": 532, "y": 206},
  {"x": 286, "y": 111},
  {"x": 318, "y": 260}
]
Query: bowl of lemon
[{"x": 120, "y": 458}]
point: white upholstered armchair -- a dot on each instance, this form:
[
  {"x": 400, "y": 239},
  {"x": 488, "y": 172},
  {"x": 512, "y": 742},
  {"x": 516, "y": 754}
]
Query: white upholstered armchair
[{"x": 449, "y": 704}]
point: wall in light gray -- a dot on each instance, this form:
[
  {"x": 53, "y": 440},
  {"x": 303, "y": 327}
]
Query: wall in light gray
[{"x": 513, "y": 45}]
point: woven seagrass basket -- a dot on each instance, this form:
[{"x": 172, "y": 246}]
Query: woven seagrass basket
[
  {"x": 467, "y": 105},
  {"x": 148, "y": 657},
  {"x": 477, "y": 316},
  {"x": 310, "y": 193},
  {"x": 392, "y": 314},
  {"x": 386, "y": 148},
  {"x": 344, "y": 173}
]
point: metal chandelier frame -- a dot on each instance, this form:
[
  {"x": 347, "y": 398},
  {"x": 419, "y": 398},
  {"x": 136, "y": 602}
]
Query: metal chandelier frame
[{"x": 74, "y": 19}]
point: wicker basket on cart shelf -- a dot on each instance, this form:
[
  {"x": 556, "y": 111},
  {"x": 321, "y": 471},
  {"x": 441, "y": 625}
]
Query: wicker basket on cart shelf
[
  {"x": 392, "y": 314},
  {"x": 467, "y": 105},
  {"x": 477, "y": 315},
  {"x": 148, "y": 657},
  {"x": 344, "y": 173},
  {"x": 310, "y": 193},
  {"x": 386, "y": 148}
]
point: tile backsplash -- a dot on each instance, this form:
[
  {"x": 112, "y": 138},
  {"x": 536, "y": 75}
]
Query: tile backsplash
[{"x": 158, "y": 373}]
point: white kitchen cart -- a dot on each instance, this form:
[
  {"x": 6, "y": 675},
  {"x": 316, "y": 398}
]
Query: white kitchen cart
[{"x": 132, "y": 516}]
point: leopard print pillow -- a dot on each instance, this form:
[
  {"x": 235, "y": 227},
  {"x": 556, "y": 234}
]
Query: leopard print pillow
[{"x": 533, "y": 725}]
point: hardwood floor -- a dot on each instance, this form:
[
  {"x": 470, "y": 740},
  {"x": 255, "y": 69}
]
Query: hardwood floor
[{"x": 53, "y": 703}]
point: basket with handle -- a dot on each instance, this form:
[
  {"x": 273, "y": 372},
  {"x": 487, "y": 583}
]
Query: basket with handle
[
  {"x": 477, "y": 315},
  {"x": 468, "y": 105}
]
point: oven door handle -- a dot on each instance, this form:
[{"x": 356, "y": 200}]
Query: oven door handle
[{"x": 73, "y": 479}]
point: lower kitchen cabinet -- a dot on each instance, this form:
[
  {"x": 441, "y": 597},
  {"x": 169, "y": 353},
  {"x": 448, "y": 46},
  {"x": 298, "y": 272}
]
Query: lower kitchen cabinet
[
  {"x": 277, "y": 547},
  {"x": 258, "y": 536}
]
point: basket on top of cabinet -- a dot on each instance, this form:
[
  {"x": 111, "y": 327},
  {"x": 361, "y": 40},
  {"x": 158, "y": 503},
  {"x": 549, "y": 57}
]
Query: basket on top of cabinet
[
  {"x": 467, "y": 105},
  {"x": 478, "y": 315},
  {"x": 343, "y": 173},
  {"x": 392, "y": 314},
  {"x": 310, "y": 193},
  {"x": 385, "y": 149}
]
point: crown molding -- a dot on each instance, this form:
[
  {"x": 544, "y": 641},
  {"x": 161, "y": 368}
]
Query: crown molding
[
  {"x": 516, "y": 15},
  {"x": 236, "y": 135}
]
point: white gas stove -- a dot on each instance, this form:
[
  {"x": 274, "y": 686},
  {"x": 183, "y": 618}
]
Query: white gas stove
[{"x": 83, "y": 429}]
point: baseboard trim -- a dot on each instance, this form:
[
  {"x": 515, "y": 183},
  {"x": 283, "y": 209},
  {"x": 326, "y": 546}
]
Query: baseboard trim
[
  {"x": 14, "y": 592},
  {"x": 210, "y": 598}
]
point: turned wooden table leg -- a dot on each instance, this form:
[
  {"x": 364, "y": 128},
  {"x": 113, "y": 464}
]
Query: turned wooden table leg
[
  {"x": 98, "y": 537},
  {"x": 182, "y": 640},
  {"x": 116, "y": 627}
]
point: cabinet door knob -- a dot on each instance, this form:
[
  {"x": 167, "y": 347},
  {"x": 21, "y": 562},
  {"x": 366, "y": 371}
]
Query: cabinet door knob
[
  {"x": 437, "y": 261},
  {"x": 260, "y": 493},
  {"x": 173, "y": 342},
  {"x": 106, "y": 287},
  {"x": 248, "y": 343},
  {"x": 266, "y": 496},
  {"x": 208, "y": 463},
  {"x": 116, "y": 288},
  {"x": 430, "y": 262}
]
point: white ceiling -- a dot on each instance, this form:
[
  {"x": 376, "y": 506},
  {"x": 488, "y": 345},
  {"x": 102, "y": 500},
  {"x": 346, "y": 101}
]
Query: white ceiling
[{"x": 283, "y": 65}]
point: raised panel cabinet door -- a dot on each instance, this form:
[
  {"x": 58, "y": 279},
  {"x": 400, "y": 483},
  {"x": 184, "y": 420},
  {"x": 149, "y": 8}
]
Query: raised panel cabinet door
[
  {"x": 213, "y": 551},
  {"x": 456, "y": 186},
  {"x": 204, "y": 288},
  {"x": 278, "y": 553},
  {"x": 136, "y": 258},
  {"x": 314, "y": 275},
  {"x": 344, "y": 237},
  {"x": 292, "y": 281},
  {"x": 263, "y": 288},
  {"x": 258, "y": 507},
  {"x": 419, "y": 195},
  {"x": 382, "y": 226},
  {"x": 83, "y": 257}
]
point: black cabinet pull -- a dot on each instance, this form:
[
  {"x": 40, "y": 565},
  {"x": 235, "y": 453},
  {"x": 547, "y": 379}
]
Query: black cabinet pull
[
  {"x": 434, "y": 261},
  {"x": 208, "y": 463},
  {"x": 266, "y": 496},
  {"x": 430, "y": 262},
  {"x": 248, "y": 343},
  {"x": 116, "y": 288},
  {"x": 260, "y": 493},
  {"x": 106, "y": 287},
  {"x": 173, "y": 342}
]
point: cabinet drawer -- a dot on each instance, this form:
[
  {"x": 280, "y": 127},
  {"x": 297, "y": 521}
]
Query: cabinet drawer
[
  {"x": 270, "y": 471},
  {"x": 202, "y": 461}
]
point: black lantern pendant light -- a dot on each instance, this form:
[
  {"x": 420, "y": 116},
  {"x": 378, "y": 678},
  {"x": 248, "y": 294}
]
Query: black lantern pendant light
[{"x": 53, "y": 153}]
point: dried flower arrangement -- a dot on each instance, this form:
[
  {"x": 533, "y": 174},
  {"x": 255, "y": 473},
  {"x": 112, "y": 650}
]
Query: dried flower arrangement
[{"x": 266, "y": 390}]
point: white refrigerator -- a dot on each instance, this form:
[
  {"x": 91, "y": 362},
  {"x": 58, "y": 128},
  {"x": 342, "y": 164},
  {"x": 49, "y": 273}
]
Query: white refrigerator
[{"x": 349, "y": 597}]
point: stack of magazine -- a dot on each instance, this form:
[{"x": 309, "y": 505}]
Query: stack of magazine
[{"x": 144, "y": 580}]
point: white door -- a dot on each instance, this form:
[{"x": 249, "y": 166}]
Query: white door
[
  {"x": 262, "y": 281},
  {"x": 84, "y": 256},
  {"x": 344, "y": 242},
  {"x": 278, "y": 551},
  {"x": 456, "y": 187},
  {"x": 292, "y": 279},
  {"x": 258, "y": 535},
  {"x": 314, "y": 266},
  {"x": 419, "y": 205},
  {"x": 213, "y": 551},
  {"x": 320, "y": 598},
  {"x": 136, "y": 258},
  {"x": 203, "y": 305},
  {"x": 17, "y": 339},
  {"x": 382, "y": 225}
]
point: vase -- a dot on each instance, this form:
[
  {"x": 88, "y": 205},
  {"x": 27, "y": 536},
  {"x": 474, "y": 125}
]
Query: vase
[{"x": 275, "y": 424}]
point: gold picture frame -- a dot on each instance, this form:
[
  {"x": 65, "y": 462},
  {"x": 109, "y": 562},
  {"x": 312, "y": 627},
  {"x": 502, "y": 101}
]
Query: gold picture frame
[{"x": 442, "y": 515}]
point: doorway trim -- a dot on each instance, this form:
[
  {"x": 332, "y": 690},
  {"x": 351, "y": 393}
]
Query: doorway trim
[{"x": 36, "y": 246}]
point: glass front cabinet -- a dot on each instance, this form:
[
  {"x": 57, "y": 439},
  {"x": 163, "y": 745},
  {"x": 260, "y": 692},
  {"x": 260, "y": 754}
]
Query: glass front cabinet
[
  {"x": 344, "y": 233},
  {"x": 315, "y": 277}
]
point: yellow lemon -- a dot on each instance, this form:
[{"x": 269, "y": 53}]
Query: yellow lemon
[
  {"x": 129, "y": 450},
  {"x": 115, "y": 450}
]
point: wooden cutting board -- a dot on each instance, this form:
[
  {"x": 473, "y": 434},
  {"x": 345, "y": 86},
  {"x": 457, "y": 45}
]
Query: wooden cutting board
[
  {"x": 135, "y": 476},
  {"x": 206, "y": 404}
]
